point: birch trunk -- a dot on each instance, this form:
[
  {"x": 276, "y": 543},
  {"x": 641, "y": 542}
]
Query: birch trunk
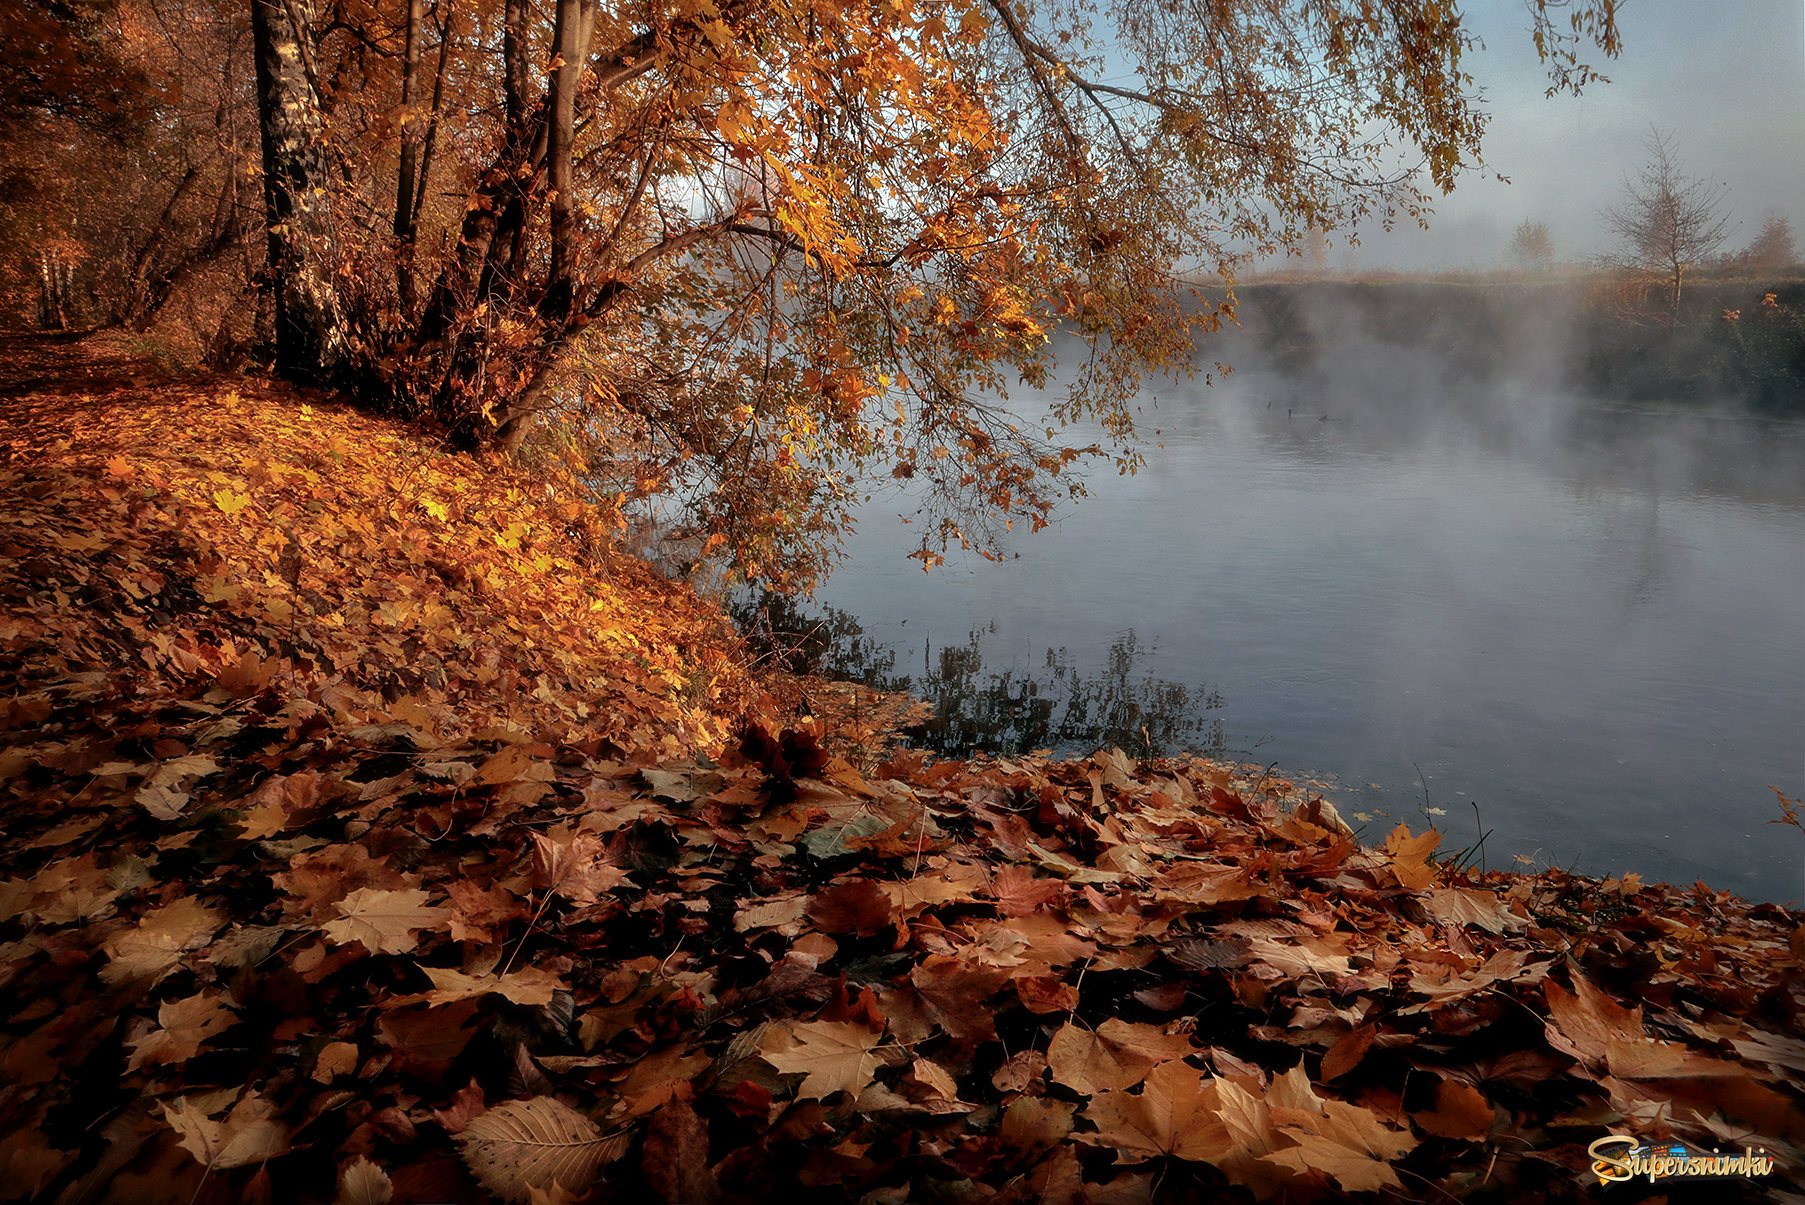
[{"x": 297, "y": 191}]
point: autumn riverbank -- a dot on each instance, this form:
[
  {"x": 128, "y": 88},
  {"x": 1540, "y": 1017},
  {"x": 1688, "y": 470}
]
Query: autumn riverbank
[{"x": 376, "y": 829}]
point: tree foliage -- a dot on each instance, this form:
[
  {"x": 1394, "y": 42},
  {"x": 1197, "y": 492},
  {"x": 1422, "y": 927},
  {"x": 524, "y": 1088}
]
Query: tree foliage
[
  {"x": 1774, "y": 249},
  {"x": 1669, "y": 223},
  {"x": 128, "y": 130},
  {"x": 792, "y": 245},
  {"x": 1532, "y": 247}
]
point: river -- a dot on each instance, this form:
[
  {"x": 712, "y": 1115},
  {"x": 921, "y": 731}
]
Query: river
[{"x": 1582, "y": 629}]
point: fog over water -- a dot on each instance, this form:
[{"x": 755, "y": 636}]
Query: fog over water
[
  {"x": 1403, "y": 547},
  {"x": 1375, "y": 558}
]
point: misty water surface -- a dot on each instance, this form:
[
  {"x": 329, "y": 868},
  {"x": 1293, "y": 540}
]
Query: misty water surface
[{"x": 1591, "y": 623}]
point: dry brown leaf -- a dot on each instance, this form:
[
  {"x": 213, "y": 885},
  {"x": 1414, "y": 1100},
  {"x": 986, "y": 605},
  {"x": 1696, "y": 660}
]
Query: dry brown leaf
[
  {"x": 361, "y": 1182},
  {"x": 531, "y": 986},
  {"x": 576, "y": 867},
  {"x": 856, "y": 905},
  {"x": 335, "y": 1059},
  {"x": 156, "y": 944},
  {"x": 1046, "y": 993},
  {"x": 1018, "y": 892},
  {"x": 248, "y": 1134},
  {"x": 1116, "y": 1056},
  {"x": 184, "y": 1025},
  {"x": 1645, "y": 1058},
  {"x": 522, "y": 1145},
  {"x": 1347, "y": 1052},
  {"x": 1034, "y": 1123},
  {"x": 1335, "y": 1138},
  {"x": 1469, "y": 906},
  {"x": 1176, "y": 1113},
  {"x": 780, "y": 914},
  {"x": 1584, "y": 1021},
  {"x": 1410, "y": 857},
  {"x": 1019, "y": 1070},
  {"x": 836, "y": 1056},
  {"x": 1774, "y": 1049},
  {"x": 1209, "y": 955},
  {"x": 1461, "y": 1111},
  {"x": 1308, "y": 956},
  {"x": 676, "y": 1154},
  {"x": 384, "y": 921}
]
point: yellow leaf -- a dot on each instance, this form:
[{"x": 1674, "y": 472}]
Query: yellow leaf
[{"x": 231, "y": 501}]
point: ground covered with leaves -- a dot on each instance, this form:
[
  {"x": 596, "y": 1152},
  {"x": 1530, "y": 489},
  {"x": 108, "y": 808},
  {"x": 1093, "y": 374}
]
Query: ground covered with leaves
[{"x": 375, "y": 832}]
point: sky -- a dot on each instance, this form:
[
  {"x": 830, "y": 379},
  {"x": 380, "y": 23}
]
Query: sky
[{"x": 1726, "y": 78}]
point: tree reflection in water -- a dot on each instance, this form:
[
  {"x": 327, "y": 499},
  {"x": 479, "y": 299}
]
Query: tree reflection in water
[{"x": 1007, "y": 712}]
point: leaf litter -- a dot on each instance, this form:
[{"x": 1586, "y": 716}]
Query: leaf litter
[{"x": 357, "y": 855}]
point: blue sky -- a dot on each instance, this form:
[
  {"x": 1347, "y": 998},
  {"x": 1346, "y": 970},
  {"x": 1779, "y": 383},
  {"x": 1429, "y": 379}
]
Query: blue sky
[{"x": 1727, "y": 78}]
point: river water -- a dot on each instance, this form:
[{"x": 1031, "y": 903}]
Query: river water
[{"x": 1590, "y": 623}]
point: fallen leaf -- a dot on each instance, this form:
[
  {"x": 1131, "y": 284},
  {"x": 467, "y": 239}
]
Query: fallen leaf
[
  {"x": 1117, "y": 1055},
  {"x": 1176, "y": 1114},
  {"x": 247, "y": 1135},
  {"x": 529, "y": 986},
  {"x": 835, "y": 1056},
  {"x": 523, "y": 1145},
  {"x": 361, "y": 1182},
  {"x": 156, "y": 944},
  {"x": 1461, "y": 1111},
  {"x": 1347, "y": 1052},
  {"x": 183, "y": 1026},
  {"x": 856, "y": 905},
  {"x": 577, "y": 868},
  {"x": 383, "y": 921},
  {"x": 1469, "y": 906}
]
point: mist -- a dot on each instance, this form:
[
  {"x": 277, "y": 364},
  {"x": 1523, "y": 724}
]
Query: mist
[
  {"x": 1725, "y": 79},
  {"x": 1445, "y": 547}
]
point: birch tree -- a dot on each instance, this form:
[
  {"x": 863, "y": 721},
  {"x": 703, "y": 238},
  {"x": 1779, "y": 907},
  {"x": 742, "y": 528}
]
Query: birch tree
[
  {"x": 1668, "y": 222},
  {"x": 800, "y": 244}
]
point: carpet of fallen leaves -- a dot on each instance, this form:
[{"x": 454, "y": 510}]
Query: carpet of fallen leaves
[{"x": 375, "y": 834}]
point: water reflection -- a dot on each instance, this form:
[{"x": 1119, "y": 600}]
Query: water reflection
[
  {"x": 1596, "y": 634},
  {"x": 977, "y": 708}
]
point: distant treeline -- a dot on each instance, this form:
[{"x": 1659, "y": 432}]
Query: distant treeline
[{"x": 1734, "y": 343}]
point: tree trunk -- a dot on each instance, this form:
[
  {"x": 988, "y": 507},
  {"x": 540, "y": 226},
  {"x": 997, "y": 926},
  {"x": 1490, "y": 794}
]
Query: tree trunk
[
  {"x": 137, "y": 300},
  {"x": 446, "y": 25},
  {"x": 410, "y": 155},
  {"x": 55, "y": 284},
  {"x": 567, "y": 66},
  {"x": 297, "y": 191},
  {"x": 493, "y": 265}
]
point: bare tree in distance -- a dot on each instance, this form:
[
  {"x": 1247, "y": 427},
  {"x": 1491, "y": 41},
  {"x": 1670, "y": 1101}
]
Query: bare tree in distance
[
  {"x": 1669, "y": 222},
  {"x": 1532, "y": 247}
]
